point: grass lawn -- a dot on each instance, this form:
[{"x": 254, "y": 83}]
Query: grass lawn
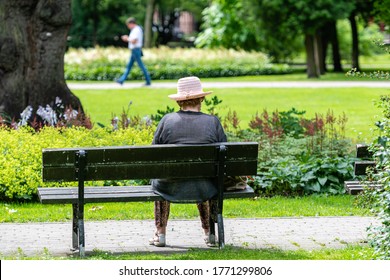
[
  {"x": 357, "y": 103},
  {"x": 230, "y": 253},
  {"x": 342, "y": 205},
  {"x": 350, "y": 252}
]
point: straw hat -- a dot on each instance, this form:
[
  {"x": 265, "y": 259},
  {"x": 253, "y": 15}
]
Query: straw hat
[{"x": 188, "y": 88}]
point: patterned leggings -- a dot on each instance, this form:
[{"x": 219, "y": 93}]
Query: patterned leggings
[{"x": 161, "y": 213}]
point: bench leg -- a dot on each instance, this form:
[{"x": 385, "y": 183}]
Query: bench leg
[
  {"x": 81, "y": 238},
  {"x": 75, "y": 228},
  {"x": 221, "y": 232},
  {"x": 78, "y": 233}
]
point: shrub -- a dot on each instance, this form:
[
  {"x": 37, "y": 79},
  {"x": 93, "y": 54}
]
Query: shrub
[
  {"x": 297, "y": 155},
  {"x": 379, "y": 235},
  {"x": 298, "y": 172},
  {"x": 21, "y": 153},
  {"x": 164, "y": 63}
]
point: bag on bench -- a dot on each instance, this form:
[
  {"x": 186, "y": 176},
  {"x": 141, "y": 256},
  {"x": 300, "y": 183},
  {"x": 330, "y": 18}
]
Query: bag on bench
[{"x": 234, "y": 183}]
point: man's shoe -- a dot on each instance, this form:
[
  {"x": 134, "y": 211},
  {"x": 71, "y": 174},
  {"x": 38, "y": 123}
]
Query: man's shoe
[
  {"x": 119, "y": 81},
  {"x": 146, "y": 85}
]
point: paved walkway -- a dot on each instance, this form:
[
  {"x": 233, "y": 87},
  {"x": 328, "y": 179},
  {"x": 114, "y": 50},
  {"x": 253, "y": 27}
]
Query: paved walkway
[
  {"x": 275, "y": 84},
  {"x": 33, "y": 239}
]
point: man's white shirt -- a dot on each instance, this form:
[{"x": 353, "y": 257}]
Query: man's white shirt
[{"x": 136, "y": 33}]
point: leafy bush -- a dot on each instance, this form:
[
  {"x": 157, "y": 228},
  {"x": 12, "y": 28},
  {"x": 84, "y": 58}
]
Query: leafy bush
[
  {"x": 104, "y": 64},
  {"x": 379, "y": 236},
  {"x": 21, "y": 153},
  {"x": 366, "y": 36},
  {"x": 293, "y": 170},
  {"x": 297, "y": 155}
]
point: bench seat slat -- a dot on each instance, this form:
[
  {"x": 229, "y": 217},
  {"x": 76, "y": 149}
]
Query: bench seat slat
[
  {"x": 106, "y": 189},
  {"x": 362, "y": 183},
  {"x": 105, "y": 194},
  {"x": 355, "y": 187}
]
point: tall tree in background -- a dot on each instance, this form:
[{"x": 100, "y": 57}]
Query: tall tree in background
[
  {"x": 101, "y": 22},
  {"x": 306, "y": 17},
  {"x": 228, "y": 24},
  {"x": 364, "y": 9},
  {"x": 32, "y": 47},
  {"x": 329, "y": 36},
  {"x": 169, "y": 12},
  {"x": 148, "y": 23},
  {"x": 382, "y": 9},
  {"x": 274, "y": 27}
]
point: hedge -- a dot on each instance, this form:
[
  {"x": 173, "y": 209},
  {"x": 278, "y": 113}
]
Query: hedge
[
  {"x": 21, "y": 153},
  {"x": 106, "y": 64}
]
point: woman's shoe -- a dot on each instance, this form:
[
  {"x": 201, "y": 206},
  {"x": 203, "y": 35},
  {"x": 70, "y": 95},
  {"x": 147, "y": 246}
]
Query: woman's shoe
[
  {"x": 158, "y": 240},
  {"x": 210, "y": 240}
]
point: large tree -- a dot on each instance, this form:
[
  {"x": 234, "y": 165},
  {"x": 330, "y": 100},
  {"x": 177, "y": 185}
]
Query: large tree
[
  {"x": 275, "y": 26},
  {"x": 33, "y": 38},
  {"x": 364, "y": 10},
  {"x": 101, "y": 22},
  {"x": 305, "y": 17}
]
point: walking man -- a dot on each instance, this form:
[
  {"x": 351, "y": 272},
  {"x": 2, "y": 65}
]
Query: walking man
[{"x": 135, "y": 41}]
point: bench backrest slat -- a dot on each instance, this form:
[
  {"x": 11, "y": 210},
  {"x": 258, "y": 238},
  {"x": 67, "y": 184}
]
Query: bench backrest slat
[{"x": 147, "y": 162}]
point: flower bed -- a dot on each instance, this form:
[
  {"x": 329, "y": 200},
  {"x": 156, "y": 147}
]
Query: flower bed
[{"x": 106, "y": 64}]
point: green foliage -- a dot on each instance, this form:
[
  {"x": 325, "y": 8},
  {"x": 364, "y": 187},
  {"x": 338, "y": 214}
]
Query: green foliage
[
  {"x": 379, "y": 235},
  {"x": 162, "y": 71},
  {"x": 161, "y": 113},
  {"x": 366, "y": 33},
  {"x": 226, "y": 24},
  {"x": 304, "y": 174},
  {"x": 303, "y": 15},
  {"x": 21, "y": 153},
  {"x": 105, "y": 64},
  {"x": 211, "y": 105},
  {"x": 299, "y": 155},
  {"x": 101, "y": 22},
  {"x": 378, "y": 75},
  {"x": 382, "y": 8},
  {"x": 282, "y": 23}
]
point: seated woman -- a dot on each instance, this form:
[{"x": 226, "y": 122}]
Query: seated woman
[{"x": 187, "y": 126}]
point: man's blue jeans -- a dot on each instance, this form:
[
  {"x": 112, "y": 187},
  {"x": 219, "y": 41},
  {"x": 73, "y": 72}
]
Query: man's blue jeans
[{"x": 136, "y": 54}]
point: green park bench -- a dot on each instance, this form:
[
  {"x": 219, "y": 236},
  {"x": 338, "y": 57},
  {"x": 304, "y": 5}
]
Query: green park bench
[
  {"x": 361, "y": 166},
  {"x": 142, "y": 162}
]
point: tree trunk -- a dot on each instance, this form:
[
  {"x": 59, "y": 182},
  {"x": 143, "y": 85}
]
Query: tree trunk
[
  {"x": 355, "y": 42},
  {"x": 32, "y": 47},
  {"x": 335, "y": 47},
  {"x": 320, "y": 53},
  {"x": 324, "y": 46},
  {"x": 148, "y": 23},
  {"x": 313, "y": 70}
]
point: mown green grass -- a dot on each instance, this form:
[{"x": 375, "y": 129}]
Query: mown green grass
[
  {"x": 342, "y": 205},
  {"x": 350, "y": 252},
  {"x": 230, "y": 253},
  {"x": 356, "y": 103}
]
